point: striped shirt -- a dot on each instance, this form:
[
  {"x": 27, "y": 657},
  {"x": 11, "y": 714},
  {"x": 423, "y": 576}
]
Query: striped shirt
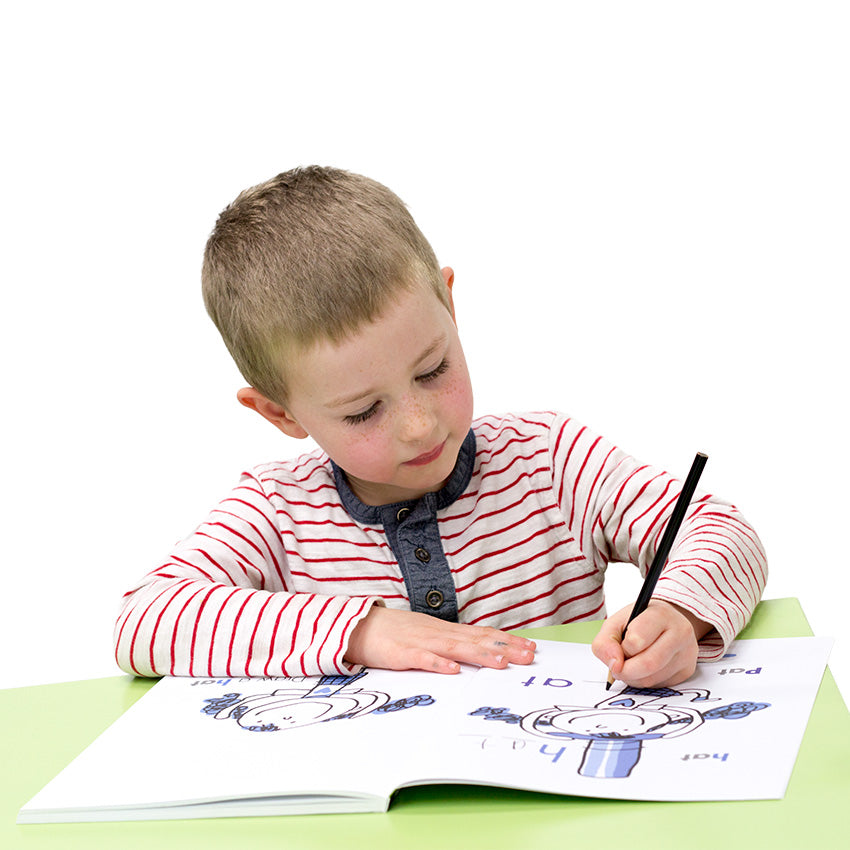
[{"x": 283, "y": 569}]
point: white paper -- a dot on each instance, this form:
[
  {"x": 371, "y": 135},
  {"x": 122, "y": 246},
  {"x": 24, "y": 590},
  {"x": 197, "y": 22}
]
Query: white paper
[
  {"x": 345, "y": 744},
  {"x": 191, "y": 741},
  {"x": 731, "y": 732}
]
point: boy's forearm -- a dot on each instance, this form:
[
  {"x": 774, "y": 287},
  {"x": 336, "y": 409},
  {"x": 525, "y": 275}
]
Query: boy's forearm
[
  {"x": 184, "y": 627},
  {"x": 717, "y": 569},
  {"x": 717, "y": 577},
  {"x": 617, "y": 508}
]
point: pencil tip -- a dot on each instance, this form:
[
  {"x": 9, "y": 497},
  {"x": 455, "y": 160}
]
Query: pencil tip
[{"x": 607, "y": 686}]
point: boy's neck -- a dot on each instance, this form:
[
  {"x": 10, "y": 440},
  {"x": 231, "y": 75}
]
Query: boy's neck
[{"x": 453, "y": 487}]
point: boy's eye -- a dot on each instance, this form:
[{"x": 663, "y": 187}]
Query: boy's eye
[
  {"x": 366, "y": 415},
  {"x": 434, "y": 373},
  {"x": 358, "y": 418}
]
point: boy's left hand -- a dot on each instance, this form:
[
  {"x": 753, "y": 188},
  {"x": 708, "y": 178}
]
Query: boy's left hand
[{"x": 660, "y": 647}]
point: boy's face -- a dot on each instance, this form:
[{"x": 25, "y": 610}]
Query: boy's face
[{"x": 391, "y": 405}]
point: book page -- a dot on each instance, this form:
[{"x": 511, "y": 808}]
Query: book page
[
  {"x": 303, "y": 744},
  {"x": 730, "y": 732},
  {"x": 189, "y": 741}
]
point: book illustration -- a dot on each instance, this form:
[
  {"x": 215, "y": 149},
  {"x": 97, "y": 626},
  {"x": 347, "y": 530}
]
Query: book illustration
[
  {"x": 331, "y": 698},
  {"x": 616, "y": 728},
  {"x": 547, "y": 741}
]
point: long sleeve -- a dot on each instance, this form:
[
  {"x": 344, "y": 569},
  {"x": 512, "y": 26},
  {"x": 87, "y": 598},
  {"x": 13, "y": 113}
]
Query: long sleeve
[
  {"x": 225, "y": 604},
  {"x": 618, "y": 508}
]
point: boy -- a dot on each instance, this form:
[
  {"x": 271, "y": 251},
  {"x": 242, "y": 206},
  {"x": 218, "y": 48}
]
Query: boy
[{"x": 414, "y": 537}]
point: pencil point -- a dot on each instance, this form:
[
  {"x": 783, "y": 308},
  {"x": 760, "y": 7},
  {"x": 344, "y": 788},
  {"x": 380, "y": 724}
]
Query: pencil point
[{"x": 607, "y": 686}]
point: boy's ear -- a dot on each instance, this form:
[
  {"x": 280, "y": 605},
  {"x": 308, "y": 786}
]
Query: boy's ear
[
  {"x": 449, "y": 278},
  {"x": 271, "y": 410}
]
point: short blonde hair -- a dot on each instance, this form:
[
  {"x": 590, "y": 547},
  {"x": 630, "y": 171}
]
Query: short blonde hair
[{"x": 311, "y": 254}]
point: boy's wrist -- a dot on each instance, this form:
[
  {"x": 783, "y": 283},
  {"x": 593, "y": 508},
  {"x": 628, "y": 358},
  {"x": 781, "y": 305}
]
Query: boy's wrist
[
  {"x": 353, "y": 653},
  {"x": 701, "y": 627}
]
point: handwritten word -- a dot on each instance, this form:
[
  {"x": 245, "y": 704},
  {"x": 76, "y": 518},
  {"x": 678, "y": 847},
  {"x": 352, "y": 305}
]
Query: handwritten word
[
  {"x": 544, "y": 750},
  {"x": 550, "y": 682},
  {"x": 486, "y": 742},
  {"x": 755, "y": 670},
  {"x": 706, "y": 756}
]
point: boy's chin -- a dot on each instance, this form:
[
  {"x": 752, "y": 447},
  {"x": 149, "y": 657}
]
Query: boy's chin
[{"x": 412, "y": 482}]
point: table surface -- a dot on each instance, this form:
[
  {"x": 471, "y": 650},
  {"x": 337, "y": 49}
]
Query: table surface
[{"x": 46, "y": 726}]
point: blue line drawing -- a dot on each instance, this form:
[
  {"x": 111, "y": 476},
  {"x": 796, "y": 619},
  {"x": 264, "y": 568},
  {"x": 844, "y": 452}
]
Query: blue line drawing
[
  {"x": 616, "y": 728},
  {"x": 331, "y": 698}
]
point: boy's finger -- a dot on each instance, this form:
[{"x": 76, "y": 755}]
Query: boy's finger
[
  {"x": 516, "y": 649},
  {"x": 606, "y": 645},
  {"x": 474, "y": 648},
  {"x": 642, "y": 633},
  {"x": 471, "y": 652},
  {"x": 491, "y": 645},
  {"x": 423, "y": 659},
  {"x": 614, "y": 656}
]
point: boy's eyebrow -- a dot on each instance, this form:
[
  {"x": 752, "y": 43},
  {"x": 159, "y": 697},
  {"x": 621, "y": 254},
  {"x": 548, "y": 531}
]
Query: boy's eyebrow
[{"x": 358, "y": 396}]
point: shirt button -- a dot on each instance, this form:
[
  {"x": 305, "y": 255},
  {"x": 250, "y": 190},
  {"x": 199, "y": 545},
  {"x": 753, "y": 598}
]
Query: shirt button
[
  {"x": 433, "y": 599},
  {"x": 403, "y": 514},
  {"x": 422, "y": 554}
]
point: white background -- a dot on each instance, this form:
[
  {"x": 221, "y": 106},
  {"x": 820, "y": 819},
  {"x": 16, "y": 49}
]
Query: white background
[{"x": 645, "y": 204}]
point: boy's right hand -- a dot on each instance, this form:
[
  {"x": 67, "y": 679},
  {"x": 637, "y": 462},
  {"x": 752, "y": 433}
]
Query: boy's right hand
[{"x": 406, "y": 640}]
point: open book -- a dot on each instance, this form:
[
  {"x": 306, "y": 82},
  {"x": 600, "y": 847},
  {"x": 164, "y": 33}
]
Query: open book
[{"x": 234, "y": 747}]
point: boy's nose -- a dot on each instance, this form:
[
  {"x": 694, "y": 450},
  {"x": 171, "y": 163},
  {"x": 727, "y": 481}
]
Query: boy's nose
[{"x": 417, "y": 421}]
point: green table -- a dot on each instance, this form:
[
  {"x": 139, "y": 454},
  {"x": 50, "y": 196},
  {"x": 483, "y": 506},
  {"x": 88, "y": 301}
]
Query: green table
[{"x": 45, "y": 727}]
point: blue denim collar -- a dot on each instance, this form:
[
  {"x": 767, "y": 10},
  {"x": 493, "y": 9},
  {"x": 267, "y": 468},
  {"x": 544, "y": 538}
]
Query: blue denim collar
[{"x": 374, "y": 514}]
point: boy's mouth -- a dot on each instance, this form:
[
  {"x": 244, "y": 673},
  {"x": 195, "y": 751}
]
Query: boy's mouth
[{"x": 427, "y": 457}]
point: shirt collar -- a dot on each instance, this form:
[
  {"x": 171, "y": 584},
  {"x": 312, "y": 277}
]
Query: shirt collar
[{"x": 453, "y": 488}]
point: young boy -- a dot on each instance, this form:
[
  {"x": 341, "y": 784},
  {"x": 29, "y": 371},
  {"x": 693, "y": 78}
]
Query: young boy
[{"x": 415, "y": 536}]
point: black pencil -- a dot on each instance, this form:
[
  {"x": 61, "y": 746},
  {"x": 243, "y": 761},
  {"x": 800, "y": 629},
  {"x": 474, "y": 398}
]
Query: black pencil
[{"x": 666, "y": 544}]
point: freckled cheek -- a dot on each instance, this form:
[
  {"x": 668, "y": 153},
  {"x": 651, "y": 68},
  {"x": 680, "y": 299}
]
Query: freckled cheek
[
  {"x": 367, "y": 456},
  {"x": 456, "y": 400}
]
